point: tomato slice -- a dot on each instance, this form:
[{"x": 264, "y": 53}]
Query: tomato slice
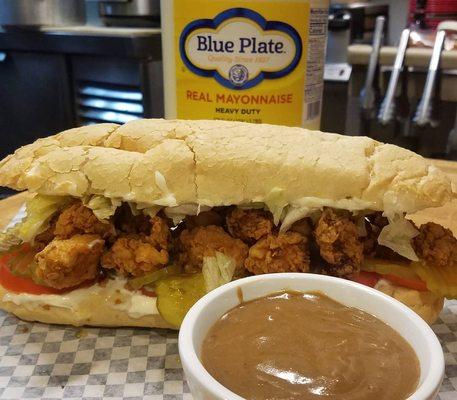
[
  {"x": 17, "y": 283},
  {"x": 10, "y": 254},
  {"x": 21, "y": 284},
  {"x": 398, "y": 273},
  {"x": 367, "y": 278},
  {"x": 415, "y": 284},
  {"x": 149, "y": 293},
  {"x": 372, "y": 278}
]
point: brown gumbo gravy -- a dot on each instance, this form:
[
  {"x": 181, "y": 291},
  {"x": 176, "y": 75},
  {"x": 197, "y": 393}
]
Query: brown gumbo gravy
[{"x": 293, "y": 345}]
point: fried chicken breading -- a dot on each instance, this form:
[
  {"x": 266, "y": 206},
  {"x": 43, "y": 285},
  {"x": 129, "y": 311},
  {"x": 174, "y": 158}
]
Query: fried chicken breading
[
  {"x": 78, "y": 219},
  {"x": 204, "y": 242},
  {"x": 126, "y": 222},
  {"x": 341, "y": 271},
  {"x": 285, "y": 252},
  {"x": 44, "y": 238},
  {"x": 374, "y": 223},
  {"x": 160, "y": 233},
  {"x": 65, "y": 263},
  {"x": 249, "y": 225},
  {"x": 338, "y": 241},
  {"x": 205, "y": 218},
  {"x": 138, "y": 254},
  {"x": 302, "y": 226},
  {"x": 436, "y": 245},
  {"x": 135, "y": 255},
  {"x": 373, "y": 226}
]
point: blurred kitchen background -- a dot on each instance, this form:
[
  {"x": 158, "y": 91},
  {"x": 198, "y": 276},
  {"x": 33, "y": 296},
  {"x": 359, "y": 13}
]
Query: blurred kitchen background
[{"x": 66, "y": 63}]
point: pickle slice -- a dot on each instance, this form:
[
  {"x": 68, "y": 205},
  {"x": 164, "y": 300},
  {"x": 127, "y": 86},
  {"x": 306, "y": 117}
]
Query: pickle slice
[
  {"x": 177, "y": 294},
  {"x": 138, "y": 283},
  {"x": 440, "y": 280},
  {"x": 20, "y": 260},
  {"x": 385, "y": 267}
]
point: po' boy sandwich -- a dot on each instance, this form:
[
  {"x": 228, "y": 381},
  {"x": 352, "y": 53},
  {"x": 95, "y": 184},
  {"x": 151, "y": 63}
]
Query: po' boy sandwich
[{"x": 129, "y": 225}]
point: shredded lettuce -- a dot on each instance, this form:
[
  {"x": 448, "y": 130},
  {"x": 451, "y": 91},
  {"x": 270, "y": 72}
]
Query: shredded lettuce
[
  {"x": 143, "y": 208},
  {"x": 102, "y": 207},
  {"x": 217, "y": 270},
  {"x": 178, "y": 213},
  {"x": 292, "y": 215},
  {"x": 39, "y": 211},
  {"x": 397, "y": 235},
  {"x": 276, "y": 203},
  {"x": 168, "y": 198},
  {"x": 8, "y": 239}
]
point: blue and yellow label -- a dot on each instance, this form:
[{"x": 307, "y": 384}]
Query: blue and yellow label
[{"x": 241, "y": 60}]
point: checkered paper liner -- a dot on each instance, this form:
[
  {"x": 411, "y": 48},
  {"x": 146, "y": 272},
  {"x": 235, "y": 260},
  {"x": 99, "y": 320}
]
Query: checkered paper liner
[{"x": 59, "y": 362}]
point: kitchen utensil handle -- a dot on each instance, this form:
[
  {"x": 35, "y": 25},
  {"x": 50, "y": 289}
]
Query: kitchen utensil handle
[
  {"x": 368, "y": 95},
  {"x": 422, "y": 116},
  {"x": 386, "y": 111},
  {"x": 452, "y": 139}
]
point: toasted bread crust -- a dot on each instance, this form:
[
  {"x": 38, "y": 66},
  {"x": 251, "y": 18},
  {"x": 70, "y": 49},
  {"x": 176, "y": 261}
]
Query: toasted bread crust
[
  {"x": 225, "y": 163},
  {"x": 101, "y": 313},
  {"x": 97, "y": 313},
  {"x": 426, "y": 304}
]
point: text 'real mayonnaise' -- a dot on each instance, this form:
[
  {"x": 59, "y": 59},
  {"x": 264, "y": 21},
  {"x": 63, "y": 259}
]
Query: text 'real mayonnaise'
[{"x": 257, "y": 61}]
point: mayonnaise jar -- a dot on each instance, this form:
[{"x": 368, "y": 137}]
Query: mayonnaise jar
[{"x": 257, "y": 61}]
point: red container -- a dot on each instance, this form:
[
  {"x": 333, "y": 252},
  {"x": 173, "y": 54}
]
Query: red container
[
  {"x": 433, "y": 6},
  {"x": 427, "y": 14}
]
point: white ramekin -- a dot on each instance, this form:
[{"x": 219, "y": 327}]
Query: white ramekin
[{"x": 212, "y": 306}]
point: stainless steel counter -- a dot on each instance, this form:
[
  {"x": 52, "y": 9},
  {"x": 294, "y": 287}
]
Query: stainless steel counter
[{"x": 122, "y": 42}]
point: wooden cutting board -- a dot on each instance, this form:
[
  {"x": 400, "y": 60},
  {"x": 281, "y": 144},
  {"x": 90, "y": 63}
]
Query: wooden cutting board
[{"x": 446, "y": 215}]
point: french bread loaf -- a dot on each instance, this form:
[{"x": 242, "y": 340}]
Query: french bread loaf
[{"x": 225, "y": 163}]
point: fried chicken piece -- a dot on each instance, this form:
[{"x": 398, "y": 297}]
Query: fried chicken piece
[
  {"x": 374, "y": 223},
  {"x": 302, "y": 226},
  {"x": 204, "y": 242},
  {"x": 249, "y": 225},
  {"x": 373, "y": 226},
  {"x": 78, "y": 219},
  {"x": 285, "y": 252},
  {"x": 65, "y": 263},
  {"x": 44, "y": 238},
  {"x": 341, "y": 271},
  {"x": 338, "y": 240},
  {"x": 138, "y": 254},
  {"x": 135, "y": 255},
  {"x": 205, "y": 218},
  {"x": 436, "y": 245},
  {"x": 126, "y": 222},
  {"x": 160, "y": 233}
]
